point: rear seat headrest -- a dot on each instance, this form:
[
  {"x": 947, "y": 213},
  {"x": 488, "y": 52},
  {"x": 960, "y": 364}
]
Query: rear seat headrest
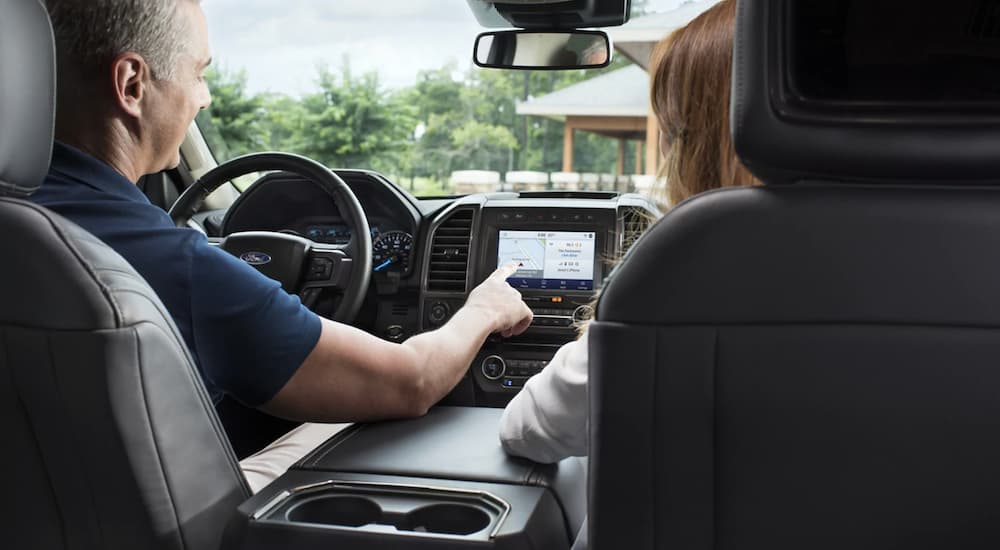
[{"x": 867, "y": 91}]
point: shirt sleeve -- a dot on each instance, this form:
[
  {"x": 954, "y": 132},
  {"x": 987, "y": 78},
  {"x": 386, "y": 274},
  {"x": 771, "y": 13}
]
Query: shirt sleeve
[
  {"x": 250, "y": 334},
  {"x": 547, "y": 421}
]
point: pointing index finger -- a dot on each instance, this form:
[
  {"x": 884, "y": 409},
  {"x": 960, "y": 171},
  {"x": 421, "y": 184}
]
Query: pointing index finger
[{"x": 505, "y": 271}]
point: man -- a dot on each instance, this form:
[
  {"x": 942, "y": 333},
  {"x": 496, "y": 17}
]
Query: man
[{"x": 131, "y": 80}]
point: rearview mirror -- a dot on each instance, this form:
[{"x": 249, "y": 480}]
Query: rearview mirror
[{"x": 542, "y": 50}]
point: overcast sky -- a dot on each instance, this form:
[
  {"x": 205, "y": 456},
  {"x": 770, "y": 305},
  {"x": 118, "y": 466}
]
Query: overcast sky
[{"x": 281, "y": 42}]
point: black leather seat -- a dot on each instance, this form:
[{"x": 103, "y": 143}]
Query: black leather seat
[
  {"x": 110, "y": 438},
  {"x": 814, "y": 363}
]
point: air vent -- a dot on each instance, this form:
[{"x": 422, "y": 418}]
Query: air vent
[
  {"x": 635, "y": 222},
  {"x": 450, "y": 253},
  {"x": 400, "y": 310}
]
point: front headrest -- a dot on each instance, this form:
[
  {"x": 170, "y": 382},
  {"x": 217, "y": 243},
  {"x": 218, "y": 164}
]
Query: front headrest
[
  {"x": 27, "y": 96},
  {"x": 867, "y": 91}
]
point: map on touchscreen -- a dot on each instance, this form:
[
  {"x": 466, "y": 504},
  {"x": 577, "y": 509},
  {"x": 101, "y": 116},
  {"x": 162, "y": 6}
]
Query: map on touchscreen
[{"x": 554, "y": 260}]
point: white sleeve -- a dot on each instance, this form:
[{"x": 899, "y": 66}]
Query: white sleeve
[{"x": 547, "y": 421}]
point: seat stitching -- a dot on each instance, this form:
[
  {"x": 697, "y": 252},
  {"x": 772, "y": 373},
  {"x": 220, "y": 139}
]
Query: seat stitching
[
  {"x": 654, "y": 435},
  {"x": 71, "y": 246},
  {"x": 213, "y": 419},
  {"x": 715, "y": 437},
  {"x": 163, "y": 314},
  {"x": 156, "y": 443},
  {"x": 90, "y": 492}
]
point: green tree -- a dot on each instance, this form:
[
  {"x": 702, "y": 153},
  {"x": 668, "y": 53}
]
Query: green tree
[
  {"x": 482, "y": 144},
  {"x": 439, "y": 108},
  {"x": 234, "y": 113},
  {"x": 350, "y": 121},
  {"x": 281, "y": 122},
  {"x": 444, "y": 122},
  {"x": 436, "y": 91}
]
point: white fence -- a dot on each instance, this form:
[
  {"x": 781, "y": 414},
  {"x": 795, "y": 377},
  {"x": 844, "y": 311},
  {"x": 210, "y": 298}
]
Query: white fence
[
  {"x": 485, "y": 181},
  {"x": 527, "y": 181},
  {"x": 466, "y": 182}
]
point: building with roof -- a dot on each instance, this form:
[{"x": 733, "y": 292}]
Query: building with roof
[
  {"x": 616, "y": 104},
  {"x": 636, "y": 39}
]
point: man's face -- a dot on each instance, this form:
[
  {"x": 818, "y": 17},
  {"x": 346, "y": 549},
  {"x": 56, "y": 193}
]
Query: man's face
[{"x": 174, "y": 103}]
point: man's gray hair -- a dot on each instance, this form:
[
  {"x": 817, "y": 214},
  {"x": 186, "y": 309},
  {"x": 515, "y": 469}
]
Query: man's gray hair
[{"x": 93, "y": 32}]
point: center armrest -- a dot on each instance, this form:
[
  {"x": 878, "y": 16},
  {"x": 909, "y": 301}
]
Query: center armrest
[{"x": 450, "y": 443}]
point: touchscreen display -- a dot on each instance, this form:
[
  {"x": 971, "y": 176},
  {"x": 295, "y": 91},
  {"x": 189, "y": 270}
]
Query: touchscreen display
[{"x": 550, "y": 260}]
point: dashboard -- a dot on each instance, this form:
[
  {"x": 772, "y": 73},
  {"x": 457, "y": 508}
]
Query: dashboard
[
  {"x": 428, "y": 254},
  {"x": 564, "y": 245}
]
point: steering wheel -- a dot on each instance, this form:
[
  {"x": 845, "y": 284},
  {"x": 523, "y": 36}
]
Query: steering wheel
[{"x": 302, "y": 266}]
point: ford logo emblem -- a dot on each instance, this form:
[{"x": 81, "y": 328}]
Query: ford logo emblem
[{"x": 255, "y": 258}]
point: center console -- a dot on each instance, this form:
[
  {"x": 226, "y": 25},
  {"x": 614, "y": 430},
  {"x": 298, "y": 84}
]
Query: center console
[
  {"x": 563, "y": 249},
  {"x": 562, "y": 255},
  {"x": 440, "y": 481}
]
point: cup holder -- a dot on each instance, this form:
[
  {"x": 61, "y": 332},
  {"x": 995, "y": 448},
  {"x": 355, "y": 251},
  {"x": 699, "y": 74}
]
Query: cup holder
[
  {"x": 446, "y": 519},
  {"x": 372, "y": 507},
  {"x": 346, "y": 511}
]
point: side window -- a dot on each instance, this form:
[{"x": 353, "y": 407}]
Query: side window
[{"x": 210, "y": 131}]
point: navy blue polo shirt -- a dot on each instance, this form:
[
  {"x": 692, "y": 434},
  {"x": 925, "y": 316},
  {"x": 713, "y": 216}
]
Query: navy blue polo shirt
[{"x": 247, "y": 335}]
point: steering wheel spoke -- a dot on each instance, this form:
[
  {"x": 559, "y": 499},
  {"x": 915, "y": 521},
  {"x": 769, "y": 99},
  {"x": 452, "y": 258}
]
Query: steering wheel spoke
[{"x": 328, "y": 267}]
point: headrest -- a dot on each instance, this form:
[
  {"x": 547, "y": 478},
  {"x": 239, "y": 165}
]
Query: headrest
[
  {"x": 867, "y": 91},
  {"x": 27, "y": 96}
]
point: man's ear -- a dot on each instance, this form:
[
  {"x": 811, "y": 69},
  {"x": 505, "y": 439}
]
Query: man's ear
[{"x": 130, "y": 73}]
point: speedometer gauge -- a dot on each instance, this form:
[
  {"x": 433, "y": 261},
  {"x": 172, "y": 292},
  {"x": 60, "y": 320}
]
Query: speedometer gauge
[{"x": 391, "y": 251}]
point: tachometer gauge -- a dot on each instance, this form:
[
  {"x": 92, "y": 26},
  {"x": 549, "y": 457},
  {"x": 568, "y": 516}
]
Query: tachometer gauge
[{"x": 391, "y": 251}]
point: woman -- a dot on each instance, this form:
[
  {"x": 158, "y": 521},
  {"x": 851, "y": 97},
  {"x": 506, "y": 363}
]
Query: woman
[{"x": 691, "y": 72}]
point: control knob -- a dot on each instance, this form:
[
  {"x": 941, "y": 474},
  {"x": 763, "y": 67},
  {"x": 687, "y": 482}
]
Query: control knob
[
  {"x": 493, "y": 367},
  {"x": 394, "y": 332},
  {"x": 583, "y": 313},
  {"x": 438, "y": 313}
]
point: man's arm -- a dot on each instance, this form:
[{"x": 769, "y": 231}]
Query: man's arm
[{"x": 354, "y": 376}]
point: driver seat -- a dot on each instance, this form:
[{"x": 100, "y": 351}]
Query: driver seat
[{"x": 112, "y": 440}]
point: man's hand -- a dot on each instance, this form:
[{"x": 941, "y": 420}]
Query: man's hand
[
  {"x": 351, "y": 375},
  {"x": 497, "y": 298}
]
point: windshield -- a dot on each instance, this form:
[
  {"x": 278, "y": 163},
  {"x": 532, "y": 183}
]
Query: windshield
[{"x": 389, "y": 85}]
